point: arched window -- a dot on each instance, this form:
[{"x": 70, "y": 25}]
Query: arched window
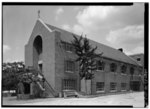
[
  {"x": 113, "y": 67},
  {"x": 123, "y": 69},
  {"x": 38, "y": 44},
  {"x": 100, "y": 65},
  {"x": 37, "y": 52}
]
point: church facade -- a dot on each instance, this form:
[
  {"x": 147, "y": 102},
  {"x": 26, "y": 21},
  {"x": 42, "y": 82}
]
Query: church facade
[{"x": 49, "y": 50}]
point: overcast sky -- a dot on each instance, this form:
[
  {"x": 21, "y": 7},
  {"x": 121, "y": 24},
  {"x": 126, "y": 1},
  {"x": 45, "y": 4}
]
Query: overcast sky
[{"x": 115, "y": 26}]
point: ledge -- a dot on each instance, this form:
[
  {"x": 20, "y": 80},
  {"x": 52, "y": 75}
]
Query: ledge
[
  {"x": 114, "y": 73},
  {"x": 69, "y": 72},
  {"x": 100, "y": 70},
  {"x": 69, "y": 51},
  {"x": 123, "y": 74},
  {"x": 123, "y": 90},
  {"x": 113, "y": 90},
  {"x": 100, "y": 91}
]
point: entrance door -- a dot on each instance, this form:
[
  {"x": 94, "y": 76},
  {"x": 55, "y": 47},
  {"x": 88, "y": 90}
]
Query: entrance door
[
  {"x": 26, "y": 88},
  {"x": 40, "y": 67}
]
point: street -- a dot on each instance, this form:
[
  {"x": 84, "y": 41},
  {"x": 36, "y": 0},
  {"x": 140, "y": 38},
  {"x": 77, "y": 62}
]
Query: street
[{"x": 136, "y": 99}]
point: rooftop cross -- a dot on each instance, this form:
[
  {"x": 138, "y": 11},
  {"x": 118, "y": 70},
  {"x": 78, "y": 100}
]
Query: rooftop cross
[{"x": 38, "y": 13}]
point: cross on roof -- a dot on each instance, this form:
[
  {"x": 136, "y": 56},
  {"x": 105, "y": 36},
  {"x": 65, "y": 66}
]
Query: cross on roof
[{"x": 38, "y": 13}]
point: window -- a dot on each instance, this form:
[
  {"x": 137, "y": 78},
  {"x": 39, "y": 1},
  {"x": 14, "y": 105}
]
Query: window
[
  {"x": 131, "y": 70},
  {"x": 69, "y": 66},
  {"x": 100, "y": 86},
  {"x": 123, "y": 86},
  {"x": 123, "y": 68},
  {"x": 138, "y": 59},
  {"x": 113, "y": 67},
  {"x": 113, "y": 86},
  {"x": 100, "y": 65},
  {"x": 68, "y": 47},
  {"x": 69, "y": 84},
  {"x": 140, "y": 71}
]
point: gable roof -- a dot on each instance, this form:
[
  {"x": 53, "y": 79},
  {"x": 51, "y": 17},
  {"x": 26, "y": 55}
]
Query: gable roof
[{"x": 108, "y": 52}]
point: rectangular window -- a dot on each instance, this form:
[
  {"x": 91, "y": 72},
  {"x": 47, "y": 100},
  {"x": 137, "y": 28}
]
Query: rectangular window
[
  {"x": 69, "y": 66},
  {"x": 100, "y": 65},
  {"x": 100, "y": 86},
  {"x": 138, "y": 59},
  {"x": 68, "y": 47},
  {"x": 113, "y": 86},
  {"x": 123, "y": 86},
  {"x": 69, "y": 84}
]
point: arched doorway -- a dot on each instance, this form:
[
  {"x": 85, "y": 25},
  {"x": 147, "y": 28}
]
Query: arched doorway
[{"x": 37, "y": 53}]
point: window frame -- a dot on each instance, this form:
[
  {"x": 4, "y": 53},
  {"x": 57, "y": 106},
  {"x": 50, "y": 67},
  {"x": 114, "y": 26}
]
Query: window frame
[
  {"x": 115, "y": 86},
  {"x": 122, "y": 86},
  {"x": 113, "y": 67},
  {"x": 101, "y": 88},
  {"x": 132, "y": 70},
  {"x": 100, "y": 64},
  {"x": 68, "y": 47},
  {"x": 123, "y": 69},
  {"x": 138, "y": 59},
  {"x": 69, "y": 84},
  {"x": 69, "y": 66}
]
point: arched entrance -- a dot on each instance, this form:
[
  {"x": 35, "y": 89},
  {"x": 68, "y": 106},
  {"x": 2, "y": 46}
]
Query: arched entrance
[{"x": 37, "y": 53}]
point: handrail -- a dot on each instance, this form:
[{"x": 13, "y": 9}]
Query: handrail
[{"x": 52, "y": 90}]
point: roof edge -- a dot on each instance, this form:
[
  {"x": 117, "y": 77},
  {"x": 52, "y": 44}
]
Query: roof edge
[{"x": 45, "y": 25}]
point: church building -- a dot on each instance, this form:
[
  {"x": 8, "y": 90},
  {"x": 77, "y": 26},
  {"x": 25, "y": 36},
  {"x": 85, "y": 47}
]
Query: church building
[{"x": 49, "y": 50}]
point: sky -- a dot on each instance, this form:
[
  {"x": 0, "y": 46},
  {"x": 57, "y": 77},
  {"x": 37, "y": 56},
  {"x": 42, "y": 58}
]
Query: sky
[{"x": 115, "y": 26}]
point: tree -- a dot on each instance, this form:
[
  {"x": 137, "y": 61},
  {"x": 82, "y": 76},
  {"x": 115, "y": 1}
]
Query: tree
[
  {"x": 86, "y": 57},
  {"x": 9, "y": 74}
]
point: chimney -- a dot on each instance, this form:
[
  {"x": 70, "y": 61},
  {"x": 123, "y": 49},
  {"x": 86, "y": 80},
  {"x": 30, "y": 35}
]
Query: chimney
[{"x": 120, "y": 49}]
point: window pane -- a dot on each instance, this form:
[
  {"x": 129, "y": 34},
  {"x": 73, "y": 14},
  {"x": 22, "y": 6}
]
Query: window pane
[
  {"x": 70, "y": 66},
  {"x": 99, "y": 86},
  {"x": 123, "y": 68},
  {"x": 113, "y": 67},
  {"x": 123, "y": 86},
  {"x": 113, "y": 86},
  {"x": 68, "y": 46},
  {"x": 100, "y": 65},
  {"x": 69, "y": 84}
]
